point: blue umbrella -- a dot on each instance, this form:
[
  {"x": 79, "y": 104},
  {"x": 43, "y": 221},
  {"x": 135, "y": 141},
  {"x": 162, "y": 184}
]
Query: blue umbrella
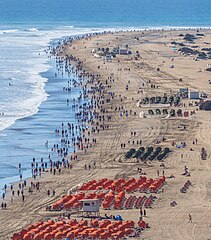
[{"x": 118, "y": 217}]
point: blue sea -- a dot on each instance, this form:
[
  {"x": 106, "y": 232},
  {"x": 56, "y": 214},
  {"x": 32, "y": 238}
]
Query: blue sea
[{"x": 32, "y": 105}]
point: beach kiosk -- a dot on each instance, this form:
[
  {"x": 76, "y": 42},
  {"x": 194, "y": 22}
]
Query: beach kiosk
[
  {"x": 193, "y": 95},
  {"x": 183, "y": 92},
  {"x": 89, "y": 207}
]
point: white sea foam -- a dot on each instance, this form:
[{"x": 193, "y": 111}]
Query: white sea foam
[
  {"x": 68, "y": 26},
  {"x": 8, "y": 31},
  {"x": 22, "y": 59},
  {"x": 33, "y": 30}
]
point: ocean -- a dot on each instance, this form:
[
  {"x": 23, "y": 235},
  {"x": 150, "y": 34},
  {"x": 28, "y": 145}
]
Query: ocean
[{"x": 31, "y": 103}]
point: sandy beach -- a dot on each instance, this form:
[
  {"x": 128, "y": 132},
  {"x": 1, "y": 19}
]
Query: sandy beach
[{"x": 154, "y": 68}]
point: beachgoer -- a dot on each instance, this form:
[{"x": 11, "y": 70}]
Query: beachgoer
[
  {"x": 141, "y": 214},
  {"x": 190, "y": 218},
  {"x": 145, "y": 213}
]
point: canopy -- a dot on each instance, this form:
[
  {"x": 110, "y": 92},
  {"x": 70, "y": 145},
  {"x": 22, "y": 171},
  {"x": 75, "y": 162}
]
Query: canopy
[{"x": 118, "y": 217}]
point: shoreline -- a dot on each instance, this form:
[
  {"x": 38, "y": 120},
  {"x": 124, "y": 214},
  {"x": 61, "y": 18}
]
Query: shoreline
[
  {"x": 35, "y": 120},
  {"x": 116, "y": 167}
]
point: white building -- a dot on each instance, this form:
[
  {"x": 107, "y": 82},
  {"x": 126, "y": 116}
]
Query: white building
[
  {"x": 90, "y": 205},
  {"x": 193, "y": 95}
]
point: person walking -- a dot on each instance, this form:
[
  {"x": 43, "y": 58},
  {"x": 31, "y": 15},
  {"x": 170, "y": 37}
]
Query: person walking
[
  {"x": 145, "y": 214},
  {"x": 141, "y": 214},
  {"x": 190, "y": 218}
]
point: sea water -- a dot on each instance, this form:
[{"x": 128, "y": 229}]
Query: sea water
[{"x": 32, "y": 104}]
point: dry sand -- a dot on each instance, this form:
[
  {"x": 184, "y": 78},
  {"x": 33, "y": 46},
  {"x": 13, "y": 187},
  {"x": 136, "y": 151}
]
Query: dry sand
[{"x": 156, "y": 51}]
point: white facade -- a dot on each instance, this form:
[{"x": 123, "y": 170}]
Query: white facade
[
  {"x": 90, "y": 205},
  {"x": 183, "y": 90},
  {"x": 193, "y": 95}
]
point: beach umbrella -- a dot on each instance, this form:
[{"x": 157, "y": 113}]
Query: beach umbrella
[
  {"x": 49, "y": 229},
  {"x": 70, "y": 235},
  {"x": 42, "y": 234},
  {"x": 54, "y": 231},
  {"x": 37, "y": 237},
  {"x": 130, "y": 223},
  {"x": 107, "y": 184},
  {"x": 127, "y": 231},
  {"x": 34, "y": 231},
  {"x": 55, "y": 206},
  {"x": 60, "y": 223},
  {"x": 30, "y": 227},
  {"x": 99, "y": 187},
  {"x": 75, "y": 226},
  {"x": 83, "y": 223},
  {"x": 16, "y": 236},
  {"x": 27, "y": 237},
  {"x": 122, "y": 226},
  {"x": 120, "y": 234},
  {"x": 41, "y": 228},
  {"x": 65, "y": 232},
  {"x": 113, "y": 230},
  {"x": 46, "y": 224},
  {"x": 94, "y": 223},
  {"x": 104, "y": 224},
  {"x": 117, "y": 223},
  {"x": 95, "y": 234},
  {"x": 75, "y": 232},
  {"x": 47, "y": 236},
  {"x": 59, "y": 235},
  {"x": 60, "y": 228},
  {"x": 83, "y": 234},
  {"x": 104, "y": 235},
  {"x": 142, "y": 224},
  {"x": 72, "y": 222},
  {"x": 23, "y": 232},
  {"x": 118, "y": 217},
  {"x": 53, "y": 227},
  {"x": 51, "y": 222}
]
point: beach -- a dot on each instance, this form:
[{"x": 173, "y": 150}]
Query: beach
[{"x": 154, "y": 67}]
